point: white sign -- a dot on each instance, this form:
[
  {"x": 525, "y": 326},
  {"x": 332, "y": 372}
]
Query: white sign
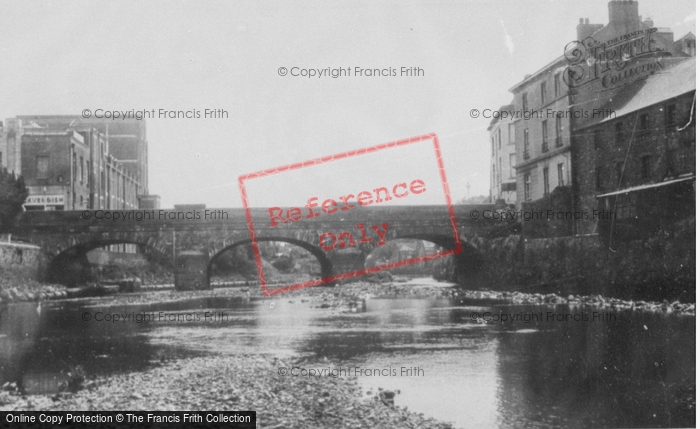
[{"x": 40, "y": 200}]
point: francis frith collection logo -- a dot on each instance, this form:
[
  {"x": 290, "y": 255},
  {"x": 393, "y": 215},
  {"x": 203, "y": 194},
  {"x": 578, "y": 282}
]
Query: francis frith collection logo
[{"x": 617, "y": 62}]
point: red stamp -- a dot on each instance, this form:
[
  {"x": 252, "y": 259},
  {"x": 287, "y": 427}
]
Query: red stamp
[{"x": 339, "y": 218}]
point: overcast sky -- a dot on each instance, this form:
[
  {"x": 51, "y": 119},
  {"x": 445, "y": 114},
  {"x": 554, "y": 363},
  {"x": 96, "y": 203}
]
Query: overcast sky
[{"x": 62, "y": 57}]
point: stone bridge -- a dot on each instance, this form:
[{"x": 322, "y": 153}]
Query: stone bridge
[{"x": 189, "y": 240}]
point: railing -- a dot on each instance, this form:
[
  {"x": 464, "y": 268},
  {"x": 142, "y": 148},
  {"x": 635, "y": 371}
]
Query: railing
[
  {"x": 526, "y": 154},
  {"x": 558, "y": 142},
  {"x": 545, "y": 146}
]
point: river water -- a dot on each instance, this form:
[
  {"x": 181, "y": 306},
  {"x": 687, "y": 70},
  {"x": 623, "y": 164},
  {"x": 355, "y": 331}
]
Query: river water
[{"x": 624, "y": 369}]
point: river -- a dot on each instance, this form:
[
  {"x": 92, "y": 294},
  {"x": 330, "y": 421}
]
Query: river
[{"x": 624, "y": 369}]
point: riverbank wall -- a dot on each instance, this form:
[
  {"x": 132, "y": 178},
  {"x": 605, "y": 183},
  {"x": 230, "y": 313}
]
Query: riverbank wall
[{"x": 658, "y": 267}]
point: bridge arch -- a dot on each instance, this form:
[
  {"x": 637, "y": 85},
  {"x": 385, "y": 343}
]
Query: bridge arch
[
  {"x": 317, "y": 252},
  {"x": 468, "y": 265},
  {"x": 68, "y": 264}
]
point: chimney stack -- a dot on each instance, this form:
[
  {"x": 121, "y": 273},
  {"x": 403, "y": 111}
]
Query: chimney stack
[
  {"x": 624, "y": 16},
  {"x": 585, "y": 29}
]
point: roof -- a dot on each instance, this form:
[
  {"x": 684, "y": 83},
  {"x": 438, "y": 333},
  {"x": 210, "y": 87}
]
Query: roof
[
  {"x": 672, "y": 82},
  {"x": 529, "y": 78},
  {"x": 645, "y": 187},
  {"x": 505, "y": 108}
]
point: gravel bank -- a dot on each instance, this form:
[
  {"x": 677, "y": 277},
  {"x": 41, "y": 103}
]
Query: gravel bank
[{"x": 240, "y": 382}]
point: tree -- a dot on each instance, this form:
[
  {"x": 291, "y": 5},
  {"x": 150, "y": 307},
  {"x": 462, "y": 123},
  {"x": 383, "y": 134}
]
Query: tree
[{"x": 13, "y": 193}]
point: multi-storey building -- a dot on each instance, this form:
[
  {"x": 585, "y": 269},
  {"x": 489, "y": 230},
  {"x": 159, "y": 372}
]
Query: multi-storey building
[
  {"x": 588, "y": 85},
  {"x": 125, "y": 139},
  {"x": 502, "y": 132},
  {"x": 542, "y": 132},
  {"x": 63, "y": 171},
  {"x": 10, "y": 147},
  {"x": 636, "y": 169},
  {"x": 108, "y": 161}
]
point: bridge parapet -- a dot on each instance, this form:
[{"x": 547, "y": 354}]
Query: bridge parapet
[{"x": 169, "y": 233}]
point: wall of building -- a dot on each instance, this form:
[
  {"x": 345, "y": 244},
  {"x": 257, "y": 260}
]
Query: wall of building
[
  {"x": 126, "y": 139},
  {"x": 10, "y": 141},
  {"x": 550, "y": 112},
  {"x": 67, "y": 169},
  {"x": 503, "y": 183},
  {"x": 644, "y": 155}
]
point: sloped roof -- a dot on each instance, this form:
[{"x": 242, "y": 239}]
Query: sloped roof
[{"x": 672, "y": 82}]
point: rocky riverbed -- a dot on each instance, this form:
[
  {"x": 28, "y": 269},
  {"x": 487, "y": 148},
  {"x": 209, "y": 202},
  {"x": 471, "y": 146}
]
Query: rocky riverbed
[
  {"x": 241, "y": 382},
  {"x": 345, "y": 295}
]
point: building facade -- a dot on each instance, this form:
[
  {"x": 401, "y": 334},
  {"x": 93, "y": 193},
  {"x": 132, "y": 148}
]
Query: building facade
[
  {"x": 503, "y": 160},
  {"x": 542, "y": 133},
  {"x": 637, "y": 170},
  {"x": 107, "y": 162},
  {"x": 560, "y": 108},
  {"x": 64, "y": 171}
]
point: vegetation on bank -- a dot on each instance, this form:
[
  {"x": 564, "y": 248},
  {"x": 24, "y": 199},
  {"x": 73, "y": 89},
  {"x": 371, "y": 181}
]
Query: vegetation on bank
[{"x": 13, "y": 193}]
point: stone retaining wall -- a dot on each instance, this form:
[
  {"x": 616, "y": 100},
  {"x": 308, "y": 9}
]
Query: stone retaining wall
[
  {"x": 658, "y": 267},
  {"x": 20, "y": 262}
]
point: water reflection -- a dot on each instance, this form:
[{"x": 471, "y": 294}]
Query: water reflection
[{"x": 635, "y": 370}]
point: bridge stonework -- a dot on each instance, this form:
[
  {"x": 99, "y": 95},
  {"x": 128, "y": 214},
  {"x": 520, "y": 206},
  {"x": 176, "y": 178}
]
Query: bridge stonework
[{"x": 189, "y": 241}]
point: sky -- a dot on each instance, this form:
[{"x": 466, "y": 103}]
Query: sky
[{"x": 64, "y": 57}]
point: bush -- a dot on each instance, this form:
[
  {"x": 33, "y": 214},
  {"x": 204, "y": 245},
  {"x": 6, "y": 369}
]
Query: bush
[
  {"x": 284, "y": 263},
  {"x": 13, "y": 193}
]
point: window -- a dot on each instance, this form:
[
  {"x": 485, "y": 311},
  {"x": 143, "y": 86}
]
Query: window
[
  {"x": 599, "y": 178},
  {"x": 545, "y": 143},
  {"x": 500, "y": 169},
  {"x": 82, "y": 170},
  {"x": 526, "y": 139},
  {"x": 619, "y": 134},
  {"x": 671, "y": 117},
  {"x": 545, "y": 177},
  {"x": 625, "y": 206},
  {"x": 646, "y": 167},
  {"x": 525, "y": 101},
  {"x": 560, "y": 174},
  {"x": 512, "y": 165},
  {"x": 511, "y": 133},
  {"x": 493, "y": 174},
  {"x": 75, "y": 170},
  {"x": 493, "y": 145},
  {"x": 0, "y": 158},
  {"x": 557, "y": 130},
  {"x": 618, "y": 172},
  {"x": 557, "y": 87},
  {"x": 527, "y": 187},
  {"x": 543, "y": 91},
  {"x": 644, "y": 124},
  {"x": 597, "y": 140},
  {"x": 42, "y": 167},
  {"x": 673, "y": 162},
  {"x": 499, "y": 138}
]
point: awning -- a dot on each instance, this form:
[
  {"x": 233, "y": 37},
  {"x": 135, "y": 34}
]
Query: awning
[{"x": 645, "y": 187}]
